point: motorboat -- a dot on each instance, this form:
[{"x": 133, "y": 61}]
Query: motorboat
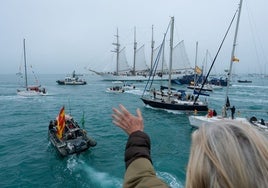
[
  {"x": 120, "y": 87},
  {"x": 261, "y": 124},
  {"x": 72, "y": 80},
  {"x": 67, "y": 137}
]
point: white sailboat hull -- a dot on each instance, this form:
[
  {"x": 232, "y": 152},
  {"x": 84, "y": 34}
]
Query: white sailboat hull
[
  {"x": 30, "y": 93},
  {"x": 198, "y": 121},
  {"x": 111, "y": 77}
]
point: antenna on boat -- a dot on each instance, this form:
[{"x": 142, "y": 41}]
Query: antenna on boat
[
  {"x": 83, "y": 120},
  {"x": 69, "y": 106}
]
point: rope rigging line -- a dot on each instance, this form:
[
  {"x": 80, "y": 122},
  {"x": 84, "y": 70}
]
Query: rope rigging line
[{"x": 215, "y": 57}]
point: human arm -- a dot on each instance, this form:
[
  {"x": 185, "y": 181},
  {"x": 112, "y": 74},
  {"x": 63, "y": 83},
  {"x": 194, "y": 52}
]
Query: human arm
[{"x": 139, "y": 169}]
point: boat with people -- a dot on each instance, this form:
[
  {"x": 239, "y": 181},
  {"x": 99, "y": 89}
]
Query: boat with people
[
  {"x": 33, "y": 90},
  {"x": 197, "y": 120},
  {"x": 261, "y": 124},
  {"x": 72, "y": 79},
  {"x": 120, "y": 87},
  {"x": 67, "y": 136},
  {"x": 167, "y": 98},
  {"x": 117, "y": 87}
]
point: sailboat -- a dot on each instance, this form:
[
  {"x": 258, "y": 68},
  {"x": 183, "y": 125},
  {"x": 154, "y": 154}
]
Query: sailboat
[
  {"x": 122, "y": 71},
  {"x": 139, "y": 70},
  {"x": 33, "y": 90},
  {"x": 197, "y": 121},
  {"x": 170, "y": 100}
]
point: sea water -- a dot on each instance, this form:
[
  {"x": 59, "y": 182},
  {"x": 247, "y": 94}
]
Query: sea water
[{"x": 29, "y": 160}]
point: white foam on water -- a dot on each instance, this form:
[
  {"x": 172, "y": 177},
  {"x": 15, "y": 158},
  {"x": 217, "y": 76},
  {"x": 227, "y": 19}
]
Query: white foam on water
[
  {"x": 99, "y": 179},
  {"x": 170, "y": 179}
]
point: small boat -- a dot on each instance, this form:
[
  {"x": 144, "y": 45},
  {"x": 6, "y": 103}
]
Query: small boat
[
  {"x": 127, "y": 86},
  {"x": 244, "y": 81},
  {"x": 206, "y": 87},
  {"x": 118, "y": 87},
  {"x": 218, "y": 81},
  {"x": 66, "y": 135},
  {"x": 260, "y": 124},
  {"x": 72, "y": 80},
  {"x": 28, "y": 91}
]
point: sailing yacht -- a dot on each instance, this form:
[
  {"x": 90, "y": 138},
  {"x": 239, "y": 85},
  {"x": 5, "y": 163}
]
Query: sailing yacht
[
  {"x": 170, "y": 99},
  {"x": 197, "y": 121},
  {"x": 140, "y": 71},
  {"x": 122, "y": 71},
  {"x": 33, "y": 90}
]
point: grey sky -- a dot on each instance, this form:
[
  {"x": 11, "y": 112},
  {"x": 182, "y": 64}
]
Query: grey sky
[{"x": 66, "y": 35}]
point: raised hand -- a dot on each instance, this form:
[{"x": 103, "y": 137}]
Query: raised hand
[{"x": 126, "y": 121}]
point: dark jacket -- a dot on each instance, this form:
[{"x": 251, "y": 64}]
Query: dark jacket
[{"x": 139, "y": 169}]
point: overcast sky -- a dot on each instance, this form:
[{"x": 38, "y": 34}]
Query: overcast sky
[{"x": 66, "y": 35}]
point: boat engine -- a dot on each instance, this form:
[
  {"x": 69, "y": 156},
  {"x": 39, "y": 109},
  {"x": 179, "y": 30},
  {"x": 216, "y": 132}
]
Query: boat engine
[{"x": 70, "y": 148}]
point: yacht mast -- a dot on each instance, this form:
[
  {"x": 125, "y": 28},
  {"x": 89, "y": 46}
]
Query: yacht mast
[
  {"x": 25, "y": 66},
  {"x": 117, "y": 48},
  {"x": 152, "y": 47},
  {"x": 170, "y": 54},
  {"x": 135, "y": 51},
  {"x": 233, "y": 51},
  {"x": 195, "y": 71}
]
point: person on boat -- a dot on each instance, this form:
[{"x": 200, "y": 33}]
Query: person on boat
[
  {"x": 210, "y": 113},
  {"x": 214, "y": 113},
  {"x": 218, "y": 158},
  {"x": 44, "y": 90},
  {"x": 51, "y": 125},
  {"x": 232, "y": 112}
]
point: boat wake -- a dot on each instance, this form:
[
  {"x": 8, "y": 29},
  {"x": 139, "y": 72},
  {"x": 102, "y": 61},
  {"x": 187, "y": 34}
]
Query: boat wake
[
  {"x": 251, "y": 86},
  {"x": 135, "y": 92},
  {"x": 168, "y": 111},
  {"x": 98, "y": 179},
  {"x": 102, "y": 179}
]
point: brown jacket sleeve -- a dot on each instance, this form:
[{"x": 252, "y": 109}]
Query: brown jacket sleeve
[
  {"x": 140, "y": 171},
  {"x": 138, "y": 145},
  {"x": 140, "y": 174}
]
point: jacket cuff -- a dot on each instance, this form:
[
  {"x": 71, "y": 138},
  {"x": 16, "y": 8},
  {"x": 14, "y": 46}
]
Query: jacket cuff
[{"x": 138, "y": 145}]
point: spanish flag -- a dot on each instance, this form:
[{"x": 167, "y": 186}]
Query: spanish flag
[
  {"x": 235, "y": 59},
  {"x": 61, "y": 122}
]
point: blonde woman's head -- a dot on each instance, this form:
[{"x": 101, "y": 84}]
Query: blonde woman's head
[{"x": 228, "y": 154}]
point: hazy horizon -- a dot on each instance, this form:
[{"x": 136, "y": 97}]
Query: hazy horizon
[{"x": 64, "y": 35}]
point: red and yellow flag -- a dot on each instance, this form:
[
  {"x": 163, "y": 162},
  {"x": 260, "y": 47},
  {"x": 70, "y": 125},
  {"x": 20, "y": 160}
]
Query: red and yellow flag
[
  {"x": 235, "y": 59},
  {"x": 61, "y": 122},
  {"x": 198, "y": 70}
]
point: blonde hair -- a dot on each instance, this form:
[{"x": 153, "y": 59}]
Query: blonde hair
[{"x": 228, "y": 154}]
